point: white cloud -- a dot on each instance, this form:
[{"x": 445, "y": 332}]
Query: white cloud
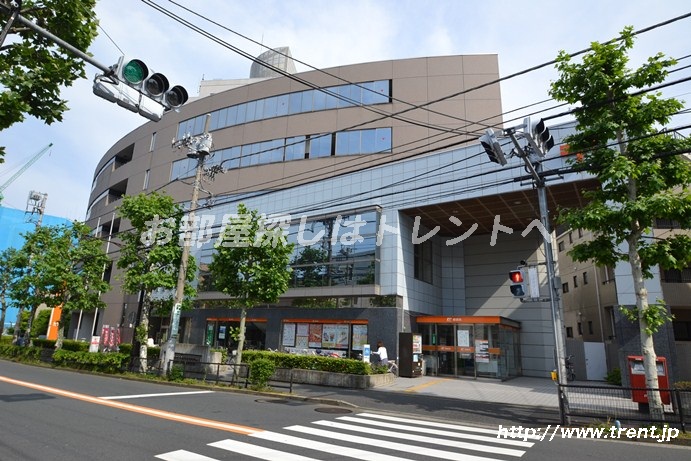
[{"x": 322, "y": 34}]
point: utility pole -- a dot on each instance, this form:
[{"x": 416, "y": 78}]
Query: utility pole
[
  {"x": 539, "y": 142},
  {"x": 198, "y": 147}
]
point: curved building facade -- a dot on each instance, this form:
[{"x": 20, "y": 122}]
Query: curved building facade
[{"x": 375, "y": 174}]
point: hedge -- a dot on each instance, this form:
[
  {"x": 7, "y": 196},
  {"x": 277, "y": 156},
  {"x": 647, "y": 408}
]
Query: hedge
[{"x": 311, "y": 362}]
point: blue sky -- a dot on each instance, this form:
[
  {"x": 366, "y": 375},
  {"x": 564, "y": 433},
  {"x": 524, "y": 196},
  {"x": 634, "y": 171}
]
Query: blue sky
[{"x": 321, "y": 34}]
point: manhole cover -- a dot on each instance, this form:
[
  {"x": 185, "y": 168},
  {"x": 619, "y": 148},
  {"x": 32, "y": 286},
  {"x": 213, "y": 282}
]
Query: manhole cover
[{"x": 333, "y": 410}]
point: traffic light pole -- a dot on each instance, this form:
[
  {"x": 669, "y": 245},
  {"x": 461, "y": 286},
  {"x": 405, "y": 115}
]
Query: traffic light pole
[
  {"x": 199, "y": 148},
  {"x": 557, "y": 320}
]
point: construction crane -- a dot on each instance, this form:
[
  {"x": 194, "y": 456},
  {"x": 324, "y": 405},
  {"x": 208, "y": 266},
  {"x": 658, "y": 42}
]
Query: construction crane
[{"x": 31, "y": 161}]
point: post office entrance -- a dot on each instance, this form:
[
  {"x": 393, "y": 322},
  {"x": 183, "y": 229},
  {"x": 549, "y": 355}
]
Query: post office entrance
[{"x": 485, "y": 346}]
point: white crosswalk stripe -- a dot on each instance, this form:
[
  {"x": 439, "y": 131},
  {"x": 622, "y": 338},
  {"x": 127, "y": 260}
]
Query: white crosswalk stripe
[{"x": 366, "y": 436}]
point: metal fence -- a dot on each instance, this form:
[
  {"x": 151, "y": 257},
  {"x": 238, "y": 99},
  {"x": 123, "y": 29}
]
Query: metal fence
[
  {"x": 191, "y": 367},
  {"x": 617, "y": 403}
]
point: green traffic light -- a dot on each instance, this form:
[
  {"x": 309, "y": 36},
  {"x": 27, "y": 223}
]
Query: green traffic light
[{"x": 134, "y": 71}]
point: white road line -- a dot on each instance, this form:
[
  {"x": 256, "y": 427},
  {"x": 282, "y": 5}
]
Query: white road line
[
  {"x": 403, "y": 447},
  {"x": 255, "y": 451},
  {"x": 435, "y": 424},
  {"x": 184, "y": 455},
  {"x": 429, "y": 431},
  {"x": 329, "y": 448},
  {"x": 164, "y": 394},
  {"x": 446, "y": 443}
]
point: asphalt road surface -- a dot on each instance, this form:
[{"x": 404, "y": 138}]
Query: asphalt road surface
[{"x": 58, "y": 415}]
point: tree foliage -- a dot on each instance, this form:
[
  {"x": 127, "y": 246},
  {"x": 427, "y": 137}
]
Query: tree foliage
[
  {"x": 251, "y": 263},
  {"x": 642, "y": 175},
  {"x": 61, "y": 266},
  {"x": 33, "y": 69},
  {"x": 150, "y": 256},
  {"x": 8, "y": 275}
]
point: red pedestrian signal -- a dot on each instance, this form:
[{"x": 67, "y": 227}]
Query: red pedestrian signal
[{"x": 517, "y": 283}]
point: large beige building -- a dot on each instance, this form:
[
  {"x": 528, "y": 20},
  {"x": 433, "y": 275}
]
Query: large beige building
[{"x": 394, "y": 207}]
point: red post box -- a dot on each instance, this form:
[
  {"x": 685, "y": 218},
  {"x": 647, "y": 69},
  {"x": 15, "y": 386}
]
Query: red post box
[{"x": 637, "y": 377}]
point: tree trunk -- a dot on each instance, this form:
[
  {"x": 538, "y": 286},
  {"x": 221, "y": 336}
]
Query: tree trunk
[
  {"x": 2, "y": 316},
  {"x": 143, "y": 334},
  {"x": 241, "y": 335},
  {"x": 61, "y": 336},
  {"x": 647, "y": 345},
  {"x": 18, "y": 325}
]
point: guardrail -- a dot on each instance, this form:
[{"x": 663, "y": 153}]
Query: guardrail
[{"x": 616, "y": 403}]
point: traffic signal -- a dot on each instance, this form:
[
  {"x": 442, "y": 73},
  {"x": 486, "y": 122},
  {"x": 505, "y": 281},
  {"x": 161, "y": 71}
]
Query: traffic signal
[
  {"x": 133, "y": 86},
  {"x": 538, "y": 136},
  {"x": 491, "y": 145},
  {"x": 517, "y": 287}
]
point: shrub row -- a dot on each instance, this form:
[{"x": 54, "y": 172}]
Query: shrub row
[
  {"x": 108, "y": 362},
  {"x": 312, "y": 362}
]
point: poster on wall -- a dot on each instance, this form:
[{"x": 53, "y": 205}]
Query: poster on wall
[
  {"x": 417, "y": 344},
  {"x": 335, "y": 336},
  {"x": 359, "y": 337},
  {"x": 464, "y": 338},
  {"x": 482, "y": 350},
  {"x": 303, "y": 329},
  {"x": 222, "y": 332},
  {"x": 288, "y": 334},
  {"x": 301, "y": 342},
  {"x": 315, "y": 335}
]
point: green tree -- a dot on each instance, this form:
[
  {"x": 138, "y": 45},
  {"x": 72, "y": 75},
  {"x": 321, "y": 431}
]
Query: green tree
[
  {"x": 251, "y": 264},
  {"x": 641, "y": 174},
  {"x": 8, "y": 276},
  {"x": 62, "y": 266},
  {"x": 33, "y": 69},
  {"x": 40, "y": 324},
  {"x": 150, "y": 256}
]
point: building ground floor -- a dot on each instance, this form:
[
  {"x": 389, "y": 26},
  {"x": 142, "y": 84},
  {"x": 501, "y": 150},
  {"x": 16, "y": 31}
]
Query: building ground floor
[{"x": 479, "y": 346}]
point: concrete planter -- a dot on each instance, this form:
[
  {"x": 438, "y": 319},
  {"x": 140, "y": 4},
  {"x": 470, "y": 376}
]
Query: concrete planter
[{"x": 326, "y": 378}]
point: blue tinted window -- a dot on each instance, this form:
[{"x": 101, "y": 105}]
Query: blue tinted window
[
  {"x": 222, "y": 115},
  {"x": 213, "y": 124},
  {"x": 382, "y": 87},
  {"x": 282, "y": 105},
  {"x": 259, "y": 111},
  {"x": 242, "y": 109},
  {"x": 368, "y": 94},
  {"x": 231, "y": 157},
  {"x": 295, "y": 148},
  {"x": 318, "y": 100},
  {"x": 232, "y": 116},
  {"x": 306, "y": 101},
  {"x": 270, "y": 107},
  {"x": 332, "y": 98},
  {"x": 198, "y": 125},
  {"x": 320, "y": 146},
  {"x": 383, "y": 140},
  {"x": 295, "y": 103},
  {"x": 249, "y": 113},
  {"x": 368, "y": 142}
]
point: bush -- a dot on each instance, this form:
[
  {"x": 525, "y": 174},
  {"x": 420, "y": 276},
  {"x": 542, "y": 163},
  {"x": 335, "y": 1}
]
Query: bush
[
  {"x": 683, "y": 385},
  {"x": 108, "y": 362},
  {"x": 614, "y": 377},
  {"x": 310, "y": 362},
  {"x": 176, "y": 373},
  {"x": 20, "y": 353},
  {"x": 44, "y": 343},
  {"x": 75, "y": 346},
  {"x": 261, "y": 370}
]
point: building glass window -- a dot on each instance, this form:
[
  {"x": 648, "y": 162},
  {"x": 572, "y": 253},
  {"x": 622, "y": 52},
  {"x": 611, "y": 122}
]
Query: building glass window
[
  {"x": 569, "y": 332},
  {"x": 590, "y": 327},
  {"x": 146, "y": 179},
  {"x": 374, "y": 92},
  {"x": 580, "y": 328},
  {"x": 585, "y": 278},
  {"x": 152, "y": 146},
  {"x": 575, "y": 281},
  {"x": 561, "y": 245},
  {"x": 565, "y": 287}
]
